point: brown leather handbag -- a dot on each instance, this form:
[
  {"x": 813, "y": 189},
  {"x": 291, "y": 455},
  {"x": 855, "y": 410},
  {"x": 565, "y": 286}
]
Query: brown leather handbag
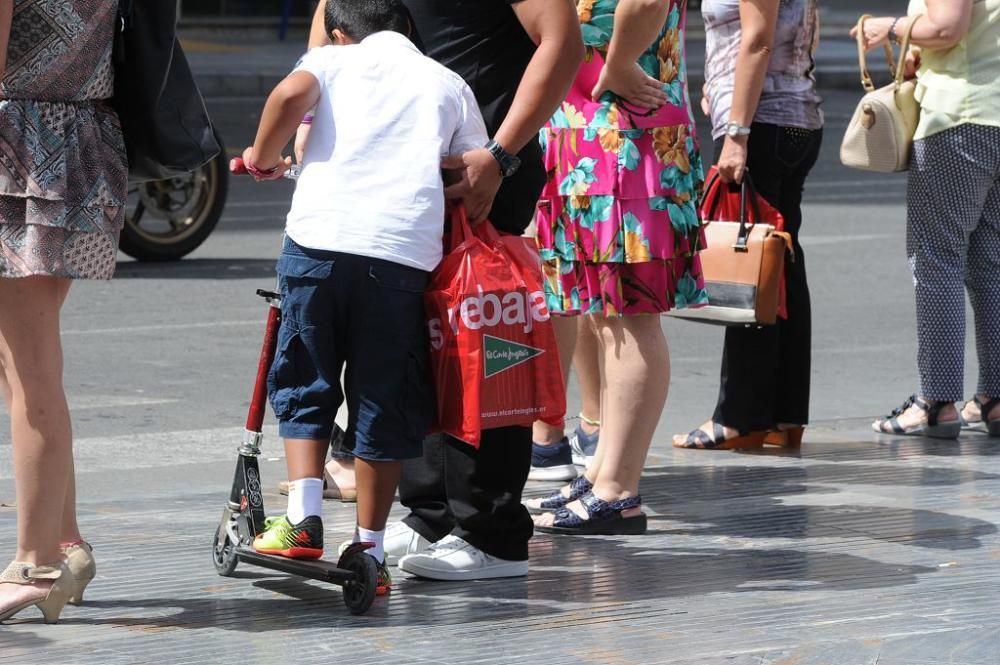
[{"x": 743, "y": 263}]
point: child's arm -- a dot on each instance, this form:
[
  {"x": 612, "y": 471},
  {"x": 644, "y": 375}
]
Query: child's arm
[
  {"x": 282, "y": 114},
  {"x": 470, "y": 128}
]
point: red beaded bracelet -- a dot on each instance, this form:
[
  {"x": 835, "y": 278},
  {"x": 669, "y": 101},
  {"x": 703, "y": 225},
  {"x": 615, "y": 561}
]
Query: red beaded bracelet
[{"x": 261, "y": 174}]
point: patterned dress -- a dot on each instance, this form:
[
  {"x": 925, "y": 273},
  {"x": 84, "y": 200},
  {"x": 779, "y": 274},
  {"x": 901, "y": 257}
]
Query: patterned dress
[
  {"x": 618, "y": 224},
  {"x": 63, "y": 174}
]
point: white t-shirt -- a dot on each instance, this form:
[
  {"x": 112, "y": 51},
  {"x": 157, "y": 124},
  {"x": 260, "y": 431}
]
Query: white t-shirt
[{"x": 371, "y": 176}]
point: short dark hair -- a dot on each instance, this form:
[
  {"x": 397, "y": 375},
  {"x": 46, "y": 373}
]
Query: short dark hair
[{"x": 359, "y": 18}]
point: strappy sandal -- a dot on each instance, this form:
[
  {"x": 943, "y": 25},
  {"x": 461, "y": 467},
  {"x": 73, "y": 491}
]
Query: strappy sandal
[
  {"x": 972, "y": 424},
  {"x": 699, "y": 439},
  {"x": 992, "y": 425},
  {"x": 577, "y": 488},
  {"x": 933, "y": 428},
  {"x": 604, "y": 518}
]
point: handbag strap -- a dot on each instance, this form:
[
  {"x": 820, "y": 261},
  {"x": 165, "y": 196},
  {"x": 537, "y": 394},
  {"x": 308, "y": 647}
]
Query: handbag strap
[
  {"x": 461, "y": 230},
  {"x": 712, "y": 193},
  {"x": 866, "y": 77},
  {"x": 903, "y": 49},
  {"x": 896, "y": 68},
  {"x": 748, "y": 194}
]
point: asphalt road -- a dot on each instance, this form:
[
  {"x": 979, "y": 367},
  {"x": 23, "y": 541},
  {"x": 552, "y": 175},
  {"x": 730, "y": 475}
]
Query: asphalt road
[{"x": 159, "y": 362}]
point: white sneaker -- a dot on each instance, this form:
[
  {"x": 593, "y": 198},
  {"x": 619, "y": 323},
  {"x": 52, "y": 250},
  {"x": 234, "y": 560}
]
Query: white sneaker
[
  {"x": 401, "y": 540},
  {"x": 453, "y": 559}
]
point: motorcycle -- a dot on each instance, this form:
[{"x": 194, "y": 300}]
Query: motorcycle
[{"x": 168, "y": 219}]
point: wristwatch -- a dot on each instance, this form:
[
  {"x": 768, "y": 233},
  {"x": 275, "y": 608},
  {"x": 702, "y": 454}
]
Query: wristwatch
[
  {"x": 735, "y": 129},
  {"x": 508, "y": 163},
  {"x": 893, "y": 35}
]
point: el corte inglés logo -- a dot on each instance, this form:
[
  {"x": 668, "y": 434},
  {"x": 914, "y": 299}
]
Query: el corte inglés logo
[{"x": 502, "y": 354}]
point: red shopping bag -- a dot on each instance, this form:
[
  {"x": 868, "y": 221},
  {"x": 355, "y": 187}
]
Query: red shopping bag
[
  {"x": 493, "y": 350},
  {"x": 721, "y": 200}
]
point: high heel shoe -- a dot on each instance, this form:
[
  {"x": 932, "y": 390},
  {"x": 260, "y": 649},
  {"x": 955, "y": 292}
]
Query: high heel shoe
[
  {"x": 785, "y": 438},
  {"x": 82, "y": 566},
  {"x": 26, "y": 574}
]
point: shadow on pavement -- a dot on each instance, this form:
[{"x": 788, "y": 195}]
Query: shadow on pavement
[
  {"x": 568, "y": 576},
  {"x": 200, "y": 269}
]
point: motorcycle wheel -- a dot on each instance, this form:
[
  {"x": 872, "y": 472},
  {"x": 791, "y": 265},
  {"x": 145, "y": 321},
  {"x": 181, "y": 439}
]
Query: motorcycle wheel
[{"x": 168, "y": 219}]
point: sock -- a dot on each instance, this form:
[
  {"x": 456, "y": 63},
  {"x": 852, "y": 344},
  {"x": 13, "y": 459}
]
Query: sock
[
  {"x": 305, "y": 499},
  {"x": 377, "y": 537}
]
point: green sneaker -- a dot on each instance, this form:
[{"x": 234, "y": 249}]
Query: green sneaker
[
  {"x": 295, "y": 541},
  {"x": 384, "y": 580}
]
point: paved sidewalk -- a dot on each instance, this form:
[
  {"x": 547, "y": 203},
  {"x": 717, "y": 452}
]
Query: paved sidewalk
[
  {"x": 860, "y": 550},
  {"x": 231, "y": 64}
]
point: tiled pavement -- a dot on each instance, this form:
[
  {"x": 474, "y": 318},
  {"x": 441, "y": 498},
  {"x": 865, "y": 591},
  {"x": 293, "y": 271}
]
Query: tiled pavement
[{"x": 857, "y": 551}]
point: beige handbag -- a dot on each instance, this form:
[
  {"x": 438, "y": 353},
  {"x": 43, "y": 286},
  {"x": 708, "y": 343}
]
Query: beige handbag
[{"x": 880, "y": 135}]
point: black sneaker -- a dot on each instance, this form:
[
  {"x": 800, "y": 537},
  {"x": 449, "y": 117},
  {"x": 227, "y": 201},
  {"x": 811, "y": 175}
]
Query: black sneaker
[{"x": 554, "y": 462}]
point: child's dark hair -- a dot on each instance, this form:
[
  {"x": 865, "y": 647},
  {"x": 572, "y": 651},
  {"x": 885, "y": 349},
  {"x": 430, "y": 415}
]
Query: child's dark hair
[{"x": 359, "y": 18}]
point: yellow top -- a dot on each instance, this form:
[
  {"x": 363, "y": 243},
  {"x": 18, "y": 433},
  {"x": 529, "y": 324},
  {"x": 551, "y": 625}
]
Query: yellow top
[{"x": 962, "y": 84}]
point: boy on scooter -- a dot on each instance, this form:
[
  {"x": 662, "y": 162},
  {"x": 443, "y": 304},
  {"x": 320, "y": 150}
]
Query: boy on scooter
[{"x": 362, "y": 236}]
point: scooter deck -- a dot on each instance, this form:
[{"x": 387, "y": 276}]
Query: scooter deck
[{"x": 314, "y": 569}]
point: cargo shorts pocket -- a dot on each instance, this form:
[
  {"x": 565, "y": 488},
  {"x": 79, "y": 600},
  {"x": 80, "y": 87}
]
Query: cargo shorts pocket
[{"x": 283, "y": 379}]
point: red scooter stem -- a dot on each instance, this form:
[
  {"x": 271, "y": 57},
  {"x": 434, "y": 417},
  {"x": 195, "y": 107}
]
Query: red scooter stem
[{"x": 258, "y": 402}]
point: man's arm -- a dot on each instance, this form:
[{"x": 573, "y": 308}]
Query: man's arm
[
  {"x": 554, "y": 26},
  {"x": 283, "y": 111},
  {"x": 6, "y": 16}
]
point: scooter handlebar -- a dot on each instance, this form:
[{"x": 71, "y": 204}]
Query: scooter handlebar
[{"x": 237, "y": 167}]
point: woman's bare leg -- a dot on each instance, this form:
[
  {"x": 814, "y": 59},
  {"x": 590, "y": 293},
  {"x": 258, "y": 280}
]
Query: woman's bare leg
[
  {"x": 636, "y": 377},
  {"x": 32, "y": 364},
  {"x": 566, "y": 330},
  {"x": 587, "y": 367}
]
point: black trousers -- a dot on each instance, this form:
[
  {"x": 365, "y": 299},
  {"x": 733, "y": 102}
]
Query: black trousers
[
  {"x": 765, "y": 371},
  {"x": 473, "y": 494}
]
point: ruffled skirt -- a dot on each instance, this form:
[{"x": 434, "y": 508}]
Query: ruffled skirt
[
  {"x": 63, "y": 185},
  {"x": 617, "y": 225}
]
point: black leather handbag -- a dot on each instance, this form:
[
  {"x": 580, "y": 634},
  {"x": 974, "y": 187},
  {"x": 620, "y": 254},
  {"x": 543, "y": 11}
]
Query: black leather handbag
[{"x": 167, "y": 129}]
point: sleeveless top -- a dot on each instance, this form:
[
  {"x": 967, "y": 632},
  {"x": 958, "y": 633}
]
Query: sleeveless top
[
  {"x": 789, "y": 97},
  {"x": 961, "y": 84}
]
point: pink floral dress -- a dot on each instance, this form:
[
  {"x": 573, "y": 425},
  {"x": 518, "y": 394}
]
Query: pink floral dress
[{"x": 618, "y": 225}]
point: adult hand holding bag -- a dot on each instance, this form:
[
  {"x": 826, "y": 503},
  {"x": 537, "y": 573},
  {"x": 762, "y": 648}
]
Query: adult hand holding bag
[
  {"x": 744, "y": 262},
  {"x": 493, "y": 350},
  {"x": 879, "y": 136}
]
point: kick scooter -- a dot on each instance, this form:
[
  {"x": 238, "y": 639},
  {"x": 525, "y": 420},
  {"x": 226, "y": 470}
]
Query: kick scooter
[{"x": 243, "y": 516}]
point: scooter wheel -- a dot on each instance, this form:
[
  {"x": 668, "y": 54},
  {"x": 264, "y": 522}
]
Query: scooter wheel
[
  {"x": 224, "y": 552},
  {"x": 359, "y": 593}
]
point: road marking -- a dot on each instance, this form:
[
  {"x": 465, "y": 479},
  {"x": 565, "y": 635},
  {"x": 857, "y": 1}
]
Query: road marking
[
  {"x": 817, "y": 351},
  {"x": 81, "y": 402},
  {"x": 874, "y": 182},
  {"x": 164, "y": 326},
  {"x": 813, "y": 241},
  {"x": 154, "y": 449},
  {"x": 257, "y": 204}
]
